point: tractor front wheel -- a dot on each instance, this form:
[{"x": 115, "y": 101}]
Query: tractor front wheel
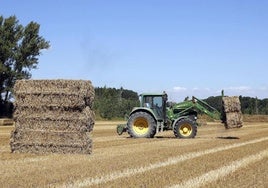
[
  {"x": 141, "y": 125},
  {"x": 185, "y": 128}
]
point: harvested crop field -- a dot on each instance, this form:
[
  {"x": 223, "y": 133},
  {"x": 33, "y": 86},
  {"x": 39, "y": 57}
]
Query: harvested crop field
[{"x": 215, "y": 158}]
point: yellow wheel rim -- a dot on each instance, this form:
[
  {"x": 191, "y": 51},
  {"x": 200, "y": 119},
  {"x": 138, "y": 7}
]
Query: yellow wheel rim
[
  {"x": 186, "y": 130},
  {"x": 141, "y": 126}
]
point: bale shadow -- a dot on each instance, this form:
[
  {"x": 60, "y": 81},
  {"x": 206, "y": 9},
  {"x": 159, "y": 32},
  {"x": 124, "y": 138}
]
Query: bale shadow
[{"x": 228, "y": 137}]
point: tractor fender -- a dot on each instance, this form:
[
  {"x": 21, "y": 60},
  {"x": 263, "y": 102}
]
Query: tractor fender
[{"x": 143, "y": 109}]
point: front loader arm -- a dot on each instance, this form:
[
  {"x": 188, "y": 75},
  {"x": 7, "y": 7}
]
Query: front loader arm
[{"x": 204, "y": 107}]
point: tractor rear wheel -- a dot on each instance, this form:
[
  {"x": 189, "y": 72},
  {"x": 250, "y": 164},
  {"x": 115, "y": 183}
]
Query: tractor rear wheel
[
  {"x": 141, "y": 125},
  {"x": 185, "y": 128}
]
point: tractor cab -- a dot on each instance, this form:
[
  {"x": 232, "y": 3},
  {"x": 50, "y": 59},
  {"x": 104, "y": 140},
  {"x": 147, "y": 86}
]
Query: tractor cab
[{"x": 156, "y": 102}]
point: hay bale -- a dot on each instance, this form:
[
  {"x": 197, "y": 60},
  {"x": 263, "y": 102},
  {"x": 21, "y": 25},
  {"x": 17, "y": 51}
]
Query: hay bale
[
  {"x": 233, "y": 120},
  {"x": 54, "y": 125},
  {"x": 55, "y": 120},
  {"x": 231, "y": 104},
  {"x": 53, "y": 116},
  {"x": 59, "y": 86},
  {"x": 52, "y": 100},
  {"x": 56, "y": 114},
  {"x": 67, "y": 138},
  {"x": 70, "y": 93},
  {"x": 232, "y": 112}
]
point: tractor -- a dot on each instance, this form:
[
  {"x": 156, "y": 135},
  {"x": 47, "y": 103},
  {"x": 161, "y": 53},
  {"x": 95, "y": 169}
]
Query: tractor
[{"x": 156, "y": 114}]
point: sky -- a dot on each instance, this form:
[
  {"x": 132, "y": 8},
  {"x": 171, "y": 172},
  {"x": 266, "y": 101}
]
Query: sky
[{"x": 183, "y": 47}]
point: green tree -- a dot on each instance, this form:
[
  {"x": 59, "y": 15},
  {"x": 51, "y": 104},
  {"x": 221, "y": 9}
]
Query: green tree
[
  {"x": 114, "y": 103},
  {"x": 215, "y": 102},
  {"x": 19, "y": 50}
]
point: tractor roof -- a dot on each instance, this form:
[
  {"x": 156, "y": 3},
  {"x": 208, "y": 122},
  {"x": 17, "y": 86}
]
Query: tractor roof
[{"x": 151, "y": 94}]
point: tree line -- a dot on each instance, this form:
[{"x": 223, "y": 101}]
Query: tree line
[
  {"x": 114, "y": 103},
  {"x": 117, "y": 103}
]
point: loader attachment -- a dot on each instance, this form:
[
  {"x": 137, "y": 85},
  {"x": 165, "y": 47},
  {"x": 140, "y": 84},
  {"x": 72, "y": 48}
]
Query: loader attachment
[{"x": 231, "y": 114}]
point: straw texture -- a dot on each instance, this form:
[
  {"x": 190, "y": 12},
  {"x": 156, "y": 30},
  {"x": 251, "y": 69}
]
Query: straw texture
[
  {"x": 233, "y": 115},
  {"x": 53, "y": 116}
]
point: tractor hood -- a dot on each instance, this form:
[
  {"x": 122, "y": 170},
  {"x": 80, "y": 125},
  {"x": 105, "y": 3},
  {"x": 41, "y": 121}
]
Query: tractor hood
[{"x": 182, "y": 106}]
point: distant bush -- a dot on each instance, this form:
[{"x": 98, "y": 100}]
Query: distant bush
[{"x": 111, "y": 103}]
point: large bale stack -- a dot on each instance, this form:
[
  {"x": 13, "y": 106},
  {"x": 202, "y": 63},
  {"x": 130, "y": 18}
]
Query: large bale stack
[
  {"x": 53, "y": 116},
  {"x": 233, "y": 115}
]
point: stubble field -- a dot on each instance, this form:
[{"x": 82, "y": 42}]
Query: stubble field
[{"x": 215, "y": 158}]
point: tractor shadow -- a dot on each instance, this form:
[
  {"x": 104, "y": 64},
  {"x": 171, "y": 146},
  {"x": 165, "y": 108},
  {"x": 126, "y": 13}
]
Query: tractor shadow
[
  {"x": 165, "y": 137},
  {"x": 173, "y": 137},
  {"x": 219, "y": 137},
  {"x": 155, "y": 137}
]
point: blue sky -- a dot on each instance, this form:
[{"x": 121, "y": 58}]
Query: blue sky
[{"x": 185, "y": 47}]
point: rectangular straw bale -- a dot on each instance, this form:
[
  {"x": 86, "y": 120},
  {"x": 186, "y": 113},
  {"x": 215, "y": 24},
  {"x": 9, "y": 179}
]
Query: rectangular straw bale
[
  {"x": 50, "y": 137},
  {"x": 54, "y": 125},
  {"x": 51, "y": 100},
  {"x": 233, "y": 120},
  {"x": 54, "y": 113},
  {"x": 232, "y": 110},
  {"x": 83, "y": 88},
  {"x": 231, "y": 104},
  {"x": 57, "y": 86},
  {"x": 53, "y": 116},
  {"x": 44, "y": 148}
]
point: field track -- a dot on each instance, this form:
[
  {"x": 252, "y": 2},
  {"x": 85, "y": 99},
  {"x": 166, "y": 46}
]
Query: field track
[{"x": 215, "y": 158}]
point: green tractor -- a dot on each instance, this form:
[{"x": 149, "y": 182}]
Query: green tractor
[{"x": 156, "y": 114}]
